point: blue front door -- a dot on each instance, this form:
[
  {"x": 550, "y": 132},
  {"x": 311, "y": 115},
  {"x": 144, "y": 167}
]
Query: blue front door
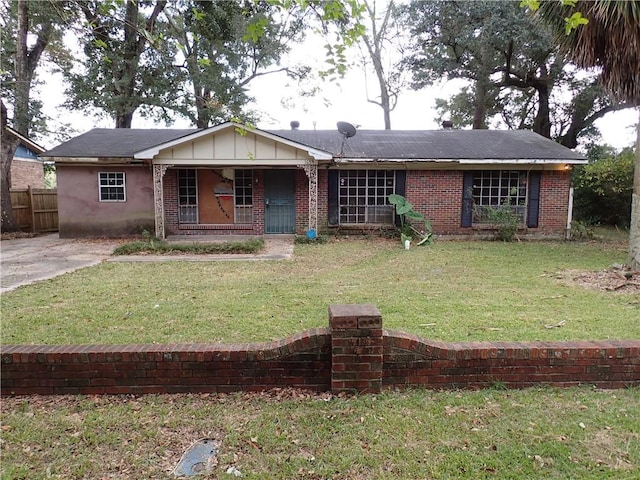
[{"x": 279, "y": 201}]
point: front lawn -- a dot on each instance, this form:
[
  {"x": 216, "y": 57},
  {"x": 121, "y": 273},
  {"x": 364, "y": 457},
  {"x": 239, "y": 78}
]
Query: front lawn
[
  {"x": 451, "y": 291},
  {"x": 535, "y": 433}
]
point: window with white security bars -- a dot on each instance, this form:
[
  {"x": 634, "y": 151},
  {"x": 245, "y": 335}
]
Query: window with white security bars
[
  {"x": 499, "y": 190},
  {"x": 243, "y": 189},
  {"x": 187, "y": 196},
  {"x": 363, "y": 196},
  {"x": 112, "y": 187}
]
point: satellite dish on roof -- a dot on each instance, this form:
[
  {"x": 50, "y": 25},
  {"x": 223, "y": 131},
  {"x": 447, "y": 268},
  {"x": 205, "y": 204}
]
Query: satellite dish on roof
[{"x": 346, "y": 129}]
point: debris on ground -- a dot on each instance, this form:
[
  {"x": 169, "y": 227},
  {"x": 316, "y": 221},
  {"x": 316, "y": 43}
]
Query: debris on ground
[
  {"x": 617, "y": 278},
  {"x": 199, "y": 459},
  {"x": 556, "y": 325},
  {"x": 234, "y": 471},
  {"x": 14, "y": 235}
]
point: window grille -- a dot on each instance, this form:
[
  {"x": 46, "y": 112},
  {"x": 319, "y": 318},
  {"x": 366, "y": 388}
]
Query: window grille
[
  {"x": 363, "y": 196},
  {"x": 187, "y": 196},
  {"x": 112, "y": 187},
  {"x": 244, "y": 196},
  {"x": 499, "y": 189}
]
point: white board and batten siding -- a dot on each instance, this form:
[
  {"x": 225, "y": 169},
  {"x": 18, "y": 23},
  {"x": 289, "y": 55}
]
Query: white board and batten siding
[{"x": 228, "y": 147}]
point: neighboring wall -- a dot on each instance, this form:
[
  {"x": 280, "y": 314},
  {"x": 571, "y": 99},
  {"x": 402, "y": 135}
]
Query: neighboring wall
[
  {"x": 27, "y": 173},
  {"x": 81, "y": 213},
  {"x": 353, "y": 355}
]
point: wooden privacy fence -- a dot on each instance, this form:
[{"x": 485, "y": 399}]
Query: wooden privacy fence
[{"x": 35, "y": 209}]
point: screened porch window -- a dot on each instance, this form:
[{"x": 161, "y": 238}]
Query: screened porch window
[
  {"x": 244, "y": 196},
  {"x": 363, "y": 196},
  {"x": 499, "y": 189},
  {"x": 187, "y": 196}
]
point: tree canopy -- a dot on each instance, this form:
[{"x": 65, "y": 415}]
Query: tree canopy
[{"x": 517, "y": 76}]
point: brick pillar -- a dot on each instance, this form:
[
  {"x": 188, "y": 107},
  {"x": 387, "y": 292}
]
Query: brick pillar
[{"x": 356, "y": 348}]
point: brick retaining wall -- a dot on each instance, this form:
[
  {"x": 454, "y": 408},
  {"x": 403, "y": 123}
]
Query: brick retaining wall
[
  {"x": 411, "y": 361},
  {"x": 353, "y": 354}
]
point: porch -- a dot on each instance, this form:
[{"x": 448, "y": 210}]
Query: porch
[{"x": 197, "y": 201}]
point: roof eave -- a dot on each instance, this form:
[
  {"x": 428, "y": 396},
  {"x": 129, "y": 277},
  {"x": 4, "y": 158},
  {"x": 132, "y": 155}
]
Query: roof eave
[
  {"x": 26, "y": 141},
  {"x": 99, "y": 160},
  {"x": 466, "y": 161}
]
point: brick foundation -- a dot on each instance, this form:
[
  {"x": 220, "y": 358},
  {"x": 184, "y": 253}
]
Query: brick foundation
[{"x": 353, "y": 355}]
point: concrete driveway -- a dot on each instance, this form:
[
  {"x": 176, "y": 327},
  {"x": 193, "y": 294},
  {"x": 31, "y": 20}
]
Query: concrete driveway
[{"x": 28, "y": 260}]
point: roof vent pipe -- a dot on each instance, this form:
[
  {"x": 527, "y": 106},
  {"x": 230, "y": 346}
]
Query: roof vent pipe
[
  {"x": 447, "y": 124},
  {"x": 294, "y": 125}
]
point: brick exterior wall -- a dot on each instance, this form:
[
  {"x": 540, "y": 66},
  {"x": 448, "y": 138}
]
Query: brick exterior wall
[
  {"x": 437, "y": 194},
  {"x": 354, "y": 354},
  {"x": 27, "y": 173},
  {"x": 554, "y": 201},
  {"x": 82, "y": 214},
  {"x": 302, "y": 202},
  {"x": 323, "y": 203}
]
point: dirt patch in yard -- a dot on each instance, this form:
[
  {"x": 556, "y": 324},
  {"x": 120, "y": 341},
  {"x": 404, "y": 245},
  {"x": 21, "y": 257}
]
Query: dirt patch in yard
[{"x": 617, "y": 278}]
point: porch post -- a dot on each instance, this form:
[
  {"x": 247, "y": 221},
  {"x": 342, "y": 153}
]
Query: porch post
[
  {"x": 311, "y": 169},
  {"x": 158, "y": 197}
]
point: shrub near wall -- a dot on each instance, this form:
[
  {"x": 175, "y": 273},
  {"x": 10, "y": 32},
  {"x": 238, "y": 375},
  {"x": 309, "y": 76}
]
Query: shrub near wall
[{"x": 353, "y": 355}]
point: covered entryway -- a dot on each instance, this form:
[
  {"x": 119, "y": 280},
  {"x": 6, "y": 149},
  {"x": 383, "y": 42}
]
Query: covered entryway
[
  {"x": 241, "y": 202},
  {"x": 279, "y": 201}
]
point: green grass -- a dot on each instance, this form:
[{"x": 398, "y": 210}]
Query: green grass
[
  {"x": 451, "y": 291},
  {"x": 535, "y": 433}
]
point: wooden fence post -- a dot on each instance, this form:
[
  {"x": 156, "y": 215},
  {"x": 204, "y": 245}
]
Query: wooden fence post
[{"x": 33, "y": 215}]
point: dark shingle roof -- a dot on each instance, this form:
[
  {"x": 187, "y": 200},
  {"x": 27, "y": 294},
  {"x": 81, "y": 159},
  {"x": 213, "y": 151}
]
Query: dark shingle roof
[
  {"x": 435, "y": 144},
  {"x": 366, "y": 144},
  {"x": 114, "y": 142}
]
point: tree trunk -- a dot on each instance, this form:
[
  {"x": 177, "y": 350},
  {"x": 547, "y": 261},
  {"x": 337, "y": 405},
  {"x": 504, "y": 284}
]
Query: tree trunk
[
  {"x": 135, "y": 40},
  {"x": 20, "y": 118},
  {"x": 634, "y": 231},
  {"x": 25, "y": 64},
  {"x": 480, "y": 105},
  {"x": 9, "y": 143},
  {"x": 8, "y": 218},
  {"x": 374, "y": 46},
  {"x": 124, "y": 120},
  {"x": 23, "y": 74},
  {"x": 542, "y": 124}
]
